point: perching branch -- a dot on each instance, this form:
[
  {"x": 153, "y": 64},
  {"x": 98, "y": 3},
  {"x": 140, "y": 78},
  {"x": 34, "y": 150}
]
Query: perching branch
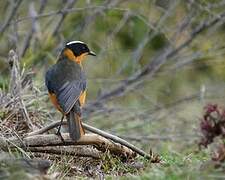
[
  {"x": 96, "y": 131},
  {"x": 97, "y": 141},
  {"x": 81, "y": 151}
]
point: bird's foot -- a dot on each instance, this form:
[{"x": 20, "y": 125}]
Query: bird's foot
[{"x": 58, "y": 133}]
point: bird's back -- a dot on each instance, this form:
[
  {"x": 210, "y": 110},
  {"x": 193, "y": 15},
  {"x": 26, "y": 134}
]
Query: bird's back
[{"x": 63, "y": 72}]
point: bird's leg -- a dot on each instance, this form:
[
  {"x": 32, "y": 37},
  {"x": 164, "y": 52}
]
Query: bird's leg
[{"x": 58, "y": 133}]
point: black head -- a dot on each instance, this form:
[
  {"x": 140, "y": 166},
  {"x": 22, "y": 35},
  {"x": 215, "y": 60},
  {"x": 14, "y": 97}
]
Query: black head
[{"x": 78, "y": 48}]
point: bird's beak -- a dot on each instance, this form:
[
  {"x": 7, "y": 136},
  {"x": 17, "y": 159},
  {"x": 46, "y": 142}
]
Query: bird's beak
[{"x": 91, "y": 53}]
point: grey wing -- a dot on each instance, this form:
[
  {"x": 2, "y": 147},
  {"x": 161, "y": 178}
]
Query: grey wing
[
  {"x": 47, "y": 81},
  {"x": 69, "y": 93}
]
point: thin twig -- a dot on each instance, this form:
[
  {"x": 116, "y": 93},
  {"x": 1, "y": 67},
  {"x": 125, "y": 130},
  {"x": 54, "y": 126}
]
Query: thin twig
[
  {"x": 89, "y": 19},
  {"x": 29, "y": 36},
  {"x": 15, "y": 84},
  {"x": 58, "y": 12},
  {"x": 69, "y": 4},
  {"x": 11, "y": 15}
]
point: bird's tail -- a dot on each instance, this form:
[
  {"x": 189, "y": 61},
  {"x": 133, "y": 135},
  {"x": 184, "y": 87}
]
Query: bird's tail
[{"x": 76, "y": 129}]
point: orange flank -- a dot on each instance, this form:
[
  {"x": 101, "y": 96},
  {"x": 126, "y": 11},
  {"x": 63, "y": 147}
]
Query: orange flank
[
  {"x": 82, "y": 131},
  {"x": 82, "y": 98},
  {"x": 55, "y": 102}
]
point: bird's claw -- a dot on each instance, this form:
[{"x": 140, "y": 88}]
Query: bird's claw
[{"x": 58, "y": 133}]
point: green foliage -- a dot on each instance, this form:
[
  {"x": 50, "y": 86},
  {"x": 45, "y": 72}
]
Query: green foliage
[
  {"x": 4, "y": 83},
  {"x": 158, "y": 42},
  {"x": 132, "y": 33}
]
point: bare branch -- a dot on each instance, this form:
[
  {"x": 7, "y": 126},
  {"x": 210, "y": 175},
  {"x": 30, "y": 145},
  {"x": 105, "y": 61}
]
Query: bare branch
[
  {"x": 106, "y": 5},
  {"x": 96, "y": 131},
  {"x": 81, "y": 151},
  {"x": 12, "y": 13},
  {"x": 69, "y": 4},
  {"x": 97, "y": 141},
  {"x": 29, "y": 36},
  {"x": 59, "y": 12}
]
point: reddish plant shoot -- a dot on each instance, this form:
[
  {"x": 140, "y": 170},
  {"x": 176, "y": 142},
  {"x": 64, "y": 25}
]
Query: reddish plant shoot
[{"x": 212, "y": 124}]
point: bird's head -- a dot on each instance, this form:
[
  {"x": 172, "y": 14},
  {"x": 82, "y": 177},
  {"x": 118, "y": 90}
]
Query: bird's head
[{"x": 77, "y": 51}]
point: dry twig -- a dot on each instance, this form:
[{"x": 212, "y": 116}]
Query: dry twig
[{"x": 15, "y": 84}]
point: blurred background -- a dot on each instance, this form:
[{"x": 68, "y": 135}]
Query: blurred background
[{"x": 158, "y": 63}]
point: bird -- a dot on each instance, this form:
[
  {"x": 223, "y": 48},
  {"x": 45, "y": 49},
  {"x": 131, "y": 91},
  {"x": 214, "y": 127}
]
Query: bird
[{"x": 67, "y": 86}]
